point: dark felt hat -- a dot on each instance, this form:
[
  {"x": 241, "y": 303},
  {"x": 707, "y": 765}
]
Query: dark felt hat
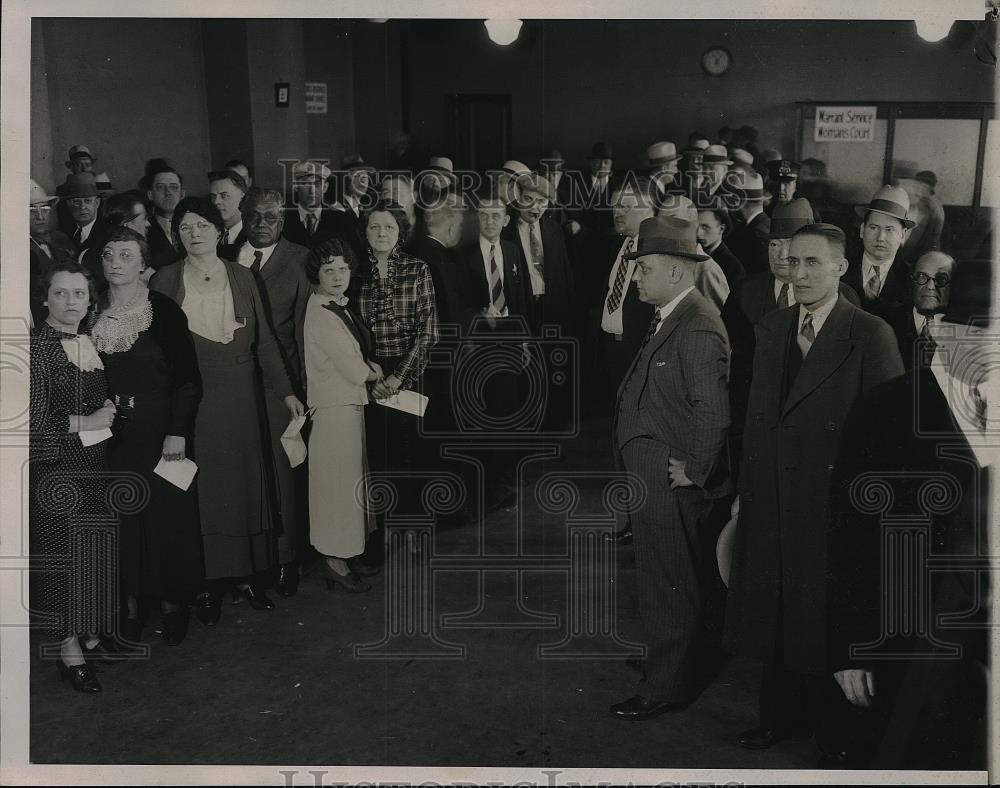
[
  {"x": 786, "y": 220},
  {"x": 601, "y": 150},
  {"x": 668, "y": 235},
  {"x": 79, "y": 184}
]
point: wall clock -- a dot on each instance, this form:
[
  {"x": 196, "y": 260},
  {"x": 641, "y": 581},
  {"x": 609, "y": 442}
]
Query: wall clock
[{"x": 716, "y": 61}]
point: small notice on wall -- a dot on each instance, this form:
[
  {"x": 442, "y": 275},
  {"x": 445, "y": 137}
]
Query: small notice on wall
[
  {"x": 315, "y": 98},
  {"x": 845, "y": 124}
]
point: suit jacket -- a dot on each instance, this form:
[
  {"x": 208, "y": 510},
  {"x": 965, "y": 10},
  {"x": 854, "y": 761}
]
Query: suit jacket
[
  {"x": 285, "y": 292},
  {"x": 451, "y": 281},
  {"x": 675, "y": 393},
  {"x": 636, "y": 314},
  {"x": 514, "y": 278},
  {"x": 329, "y": 226},
  {"x": 790, "y": 445},
  {"x": 748, "y": 242},
  {"x": 559, "y": 305},
  {"x": 334, "y": 359},
  {"x": 161, "y": 249},
  {"x": 901, "y": 441},
  {"x": 347, "y": 227},
  {"x": 591, "y": 248},
  {"x": 730, "y": 265},
  {"x": 911, "y": 346},
  {"x": 896, "y": 292}
]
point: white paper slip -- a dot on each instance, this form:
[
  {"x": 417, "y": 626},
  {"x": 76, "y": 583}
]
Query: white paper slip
[
  {"x": 91, "y": 437},
  {"x": 406, "y": 401},
  {"x": 179, "y": 473},
  {"x": 291, "y": 441}
]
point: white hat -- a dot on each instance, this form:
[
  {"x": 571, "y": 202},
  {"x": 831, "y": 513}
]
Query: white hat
[{"x": 38, "y": 196}]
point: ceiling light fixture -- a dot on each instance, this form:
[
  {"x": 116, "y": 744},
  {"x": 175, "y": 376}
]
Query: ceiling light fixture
[
  {"x": 933, "y": 27},
  {"x": 503, "y": 31}
]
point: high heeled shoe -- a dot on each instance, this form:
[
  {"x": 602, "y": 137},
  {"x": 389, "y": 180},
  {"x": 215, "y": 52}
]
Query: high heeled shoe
[
  {"x": 349, "y": 582},
  {"x": 258, "y": 599},
  {"x": 82, "y": 677}
]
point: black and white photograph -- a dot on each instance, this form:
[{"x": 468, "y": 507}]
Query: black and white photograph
[{"x": 495, "y": 393}]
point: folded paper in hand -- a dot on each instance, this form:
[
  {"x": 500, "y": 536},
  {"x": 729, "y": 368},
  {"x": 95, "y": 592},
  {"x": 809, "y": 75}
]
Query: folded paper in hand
[
  {"x": 179, "y": 473},
  {"x": 406, "y": 401},
  {"x": 291, "y": 440},
  {"x": 92, "y": 437}
]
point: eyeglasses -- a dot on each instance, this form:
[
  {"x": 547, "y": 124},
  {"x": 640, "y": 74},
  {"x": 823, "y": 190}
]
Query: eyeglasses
[
  {"x": 202, "y": 227},
  {"x": 79, "y": 202},
  {"x": 43, "y": 210},
  {"x": 940, "y": 280},
  {"x": 108, "y": 256}
]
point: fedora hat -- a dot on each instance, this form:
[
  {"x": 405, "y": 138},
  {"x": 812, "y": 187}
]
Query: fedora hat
[
  {"x": 79, "y": 184},
  {"x": 971, "y": 290},
  {"x": 668, "y": 235},
  {"x": 310, "y": 170},
  {"x": 742, "y": 158},
  {"x": 38, "y": 196},
  {"x": 677, "y": 206},
  {"x": 783, "y": 170},
  {"x": 928, "y": 177},
  {"x": 661, "y": 153},
  {"x": 538, "y": 184},
  {"x": 601, "y": 150},
  {"x": 716, "y": 154},
  {"x": 890, "y": 200},
  {"x": 80, "y": 151},
  {"x": 515, "y": 168},
  {"x": 746, "y": 184},
  {"x": 770, "y": 154},
  {"x": 786, "y": 220},
  {"x": 441, "y": 164},
  {"x": 550, "y": 157},
  {"x": 699, "y": 145},
  {"x": 353, "y": 161}
]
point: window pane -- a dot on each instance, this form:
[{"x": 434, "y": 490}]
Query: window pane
[{"x": 947, "y": 147}]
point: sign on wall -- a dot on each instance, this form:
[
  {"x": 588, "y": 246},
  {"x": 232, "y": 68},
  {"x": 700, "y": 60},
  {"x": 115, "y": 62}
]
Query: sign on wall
[
  {"x": 845, "y": 124},
  {"x": 315, "y": 98}
]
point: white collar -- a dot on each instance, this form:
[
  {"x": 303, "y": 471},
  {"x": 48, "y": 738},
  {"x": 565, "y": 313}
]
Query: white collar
[
  {"x": 819, "y": 315},
  {"x": 484, "y": 247},
  {"x": 665, "y": 310},
  {"x": 868, "y": 262}
]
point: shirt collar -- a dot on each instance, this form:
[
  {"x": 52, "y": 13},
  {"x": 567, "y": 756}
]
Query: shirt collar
[
  {"x": 869, "y": 262},
  {"x": 665, "y": 310},
  {"x": 819, "y": 315},
  {"x": 484, "y": 247}
]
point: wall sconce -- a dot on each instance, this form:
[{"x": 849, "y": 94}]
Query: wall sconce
[{"x": 503, "y": 31}]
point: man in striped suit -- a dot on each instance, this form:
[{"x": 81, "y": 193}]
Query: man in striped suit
[{"x": 670, "y": 428}]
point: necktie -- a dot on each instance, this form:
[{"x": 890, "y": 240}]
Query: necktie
[
  {"x": 615, "y": 297},
  {"x": 926, "y": 338},
  {"x": 496, "y": 286},
  {"x": 808, "y": 334},
  {"x": 873, "y": 285},
  {"x": 783, "y": 296},
  {"x": 311, "y": 223},
  {"x": 258, "y": 257},
  {"x": 78, "y": 235},
  {"x": 225, "y": 238},
  {"x": 537, "y": 250},
  {"x": 980, "y": 405}
]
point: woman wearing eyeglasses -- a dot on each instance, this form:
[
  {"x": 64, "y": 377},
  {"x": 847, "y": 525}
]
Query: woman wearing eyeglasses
[
  {"x": 153, "y": 379},
  {"x": 119, "y": 210},
  {"x": 234, "y": 345}
]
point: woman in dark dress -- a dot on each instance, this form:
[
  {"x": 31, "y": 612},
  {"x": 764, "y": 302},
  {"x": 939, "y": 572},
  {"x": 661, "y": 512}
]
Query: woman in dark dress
[
  {"x": 236, "y": 350},
  {"x": 153, "y": 380},
  {"x": 69, "y": 484}
]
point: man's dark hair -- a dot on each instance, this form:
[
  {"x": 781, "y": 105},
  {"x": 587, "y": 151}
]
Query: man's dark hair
[
  {"x": 230, "y": 175},
  {"x": 237, "y": 163},
  {"x": 833, "y": 234}
]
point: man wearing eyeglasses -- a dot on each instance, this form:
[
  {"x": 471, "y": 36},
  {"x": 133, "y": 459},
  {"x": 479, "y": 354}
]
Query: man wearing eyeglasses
[
  {"x": 931, "y": 291},
  {"x": 882, "y": 284}
]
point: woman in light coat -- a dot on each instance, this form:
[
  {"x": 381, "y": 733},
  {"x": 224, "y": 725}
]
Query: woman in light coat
[{"x": 337, "y": 352}]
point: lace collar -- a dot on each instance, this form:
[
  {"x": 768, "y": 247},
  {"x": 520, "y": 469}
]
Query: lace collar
[{"x": 116, "y": 332}]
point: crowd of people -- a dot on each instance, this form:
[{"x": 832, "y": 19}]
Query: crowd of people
[{"x": 756, "y": 359}]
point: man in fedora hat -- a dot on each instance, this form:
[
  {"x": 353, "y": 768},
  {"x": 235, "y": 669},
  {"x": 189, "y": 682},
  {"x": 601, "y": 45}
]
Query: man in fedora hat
[
  {"x": 670, "y": 429},
  {"x": 79, "y": 194},
  {"x": 920, "y": 696},
  {"x": 811, "y": 363},
  {"x": 46, "y": 246},
  {"x": 742, "y": 159},
  {"x": 878, "y": 278},
  {"x": 308, "y": 222},
  {"x": 926, "y": 212},
  {"x": 709, "y": 278},
  {"x": 80, "y": 159},
  {"x": 744, "y": 195},
  {"x": 439, "y": 175},
  {"x": 507, "y": 179},
  {"x": 663, "y": 164},
  {"x": 715, "y": 163}
]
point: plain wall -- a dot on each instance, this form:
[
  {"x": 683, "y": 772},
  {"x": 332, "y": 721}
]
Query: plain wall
[
  {"x": 329, "y": 48},
  {"x": 378, "y": 72},
  {"x": 631, "y": 83},
  {"x": 141, "y": 98}
]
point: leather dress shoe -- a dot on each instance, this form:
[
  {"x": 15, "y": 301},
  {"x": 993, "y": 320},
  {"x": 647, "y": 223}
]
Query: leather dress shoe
[
  {"x": 622, "y": 537},
  {"x": 82, "y": 677},
  {"x": 764, "y": 738},
  {"x": 640, "y": 708},
  {"x": 362, "y": 569},
  {"x": 175, "y": 626},
  {"x": 258, "y": 599},
  {"x": 288, "y": 580},
  {"x": 106, "y": 650},
  {"x": 208, "y": 609}
]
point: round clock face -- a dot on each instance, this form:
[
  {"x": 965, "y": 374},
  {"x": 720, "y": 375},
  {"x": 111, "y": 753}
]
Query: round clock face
[{"x": 716, "y": 61}]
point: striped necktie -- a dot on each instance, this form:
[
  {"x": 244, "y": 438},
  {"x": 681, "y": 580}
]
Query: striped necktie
[
  {"x": 783, "y": 296},
  {"x": 615, "y": 297},
  {"x": 874, "y": 283},
  {"x": 537, "y": 249},
  {"x": 311, "y": 223},
  {"x": 496, "y": 286},
  {"x": 807, "y": 334}
]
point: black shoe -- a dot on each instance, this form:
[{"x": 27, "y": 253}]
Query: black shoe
[
  {"x": 208, "y": 609},
  {"x": 640, "y": 708},
  {"x": 175, "y": 626},
  {"x": 105, "y": 651},
  {"x": 82, "y": 677},
  {"x": 258, "y": 599},
  {"x": 622, "y": 537},
  {"x": 362, "y": 569},
  {"x": 349, "y": 582},
  {"x": 764, "y": 738},
  {"x": 288, "y": 580}
]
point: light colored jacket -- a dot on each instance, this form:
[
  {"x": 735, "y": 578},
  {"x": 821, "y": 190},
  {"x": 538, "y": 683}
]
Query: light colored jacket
[{"x": 335, "y": 368}]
